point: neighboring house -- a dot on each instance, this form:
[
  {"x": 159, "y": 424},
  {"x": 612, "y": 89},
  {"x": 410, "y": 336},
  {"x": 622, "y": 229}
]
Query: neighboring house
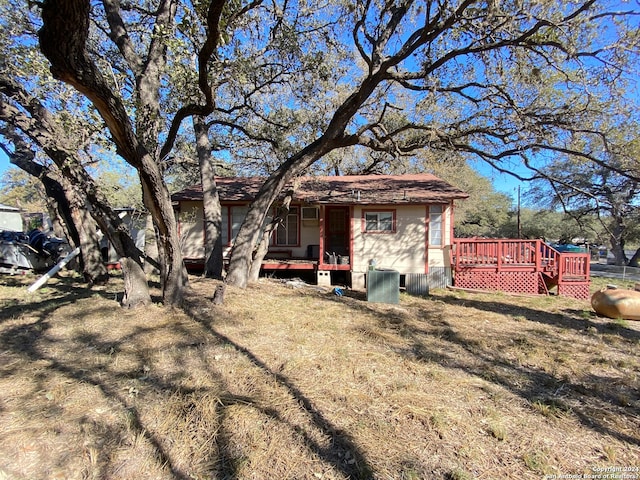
[
  {"x": 341, "y": 224},
  {"x": 10, "y": 218}
]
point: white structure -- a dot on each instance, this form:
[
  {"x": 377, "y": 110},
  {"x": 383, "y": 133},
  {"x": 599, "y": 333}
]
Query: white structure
[{"x": 10, "y": 219}]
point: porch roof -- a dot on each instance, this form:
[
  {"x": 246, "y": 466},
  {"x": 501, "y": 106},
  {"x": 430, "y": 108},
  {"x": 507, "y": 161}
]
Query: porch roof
[{"x": 348, "y": 189}]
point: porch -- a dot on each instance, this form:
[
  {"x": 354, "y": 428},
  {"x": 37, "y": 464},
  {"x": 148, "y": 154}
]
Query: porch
[{"x": 519, "y": 266}]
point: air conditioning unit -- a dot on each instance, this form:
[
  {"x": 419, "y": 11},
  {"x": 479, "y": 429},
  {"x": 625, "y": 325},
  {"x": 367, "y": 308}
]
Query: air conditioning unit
[{"x": 309, "y": 213}]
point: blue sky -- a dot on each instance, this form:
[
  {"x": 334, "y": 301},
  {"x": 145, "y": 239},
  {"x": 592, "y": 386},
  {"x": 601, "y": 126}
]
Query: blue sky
[
  {"x": 4, "y": 162},
  {"x": 502, "y": 182}
]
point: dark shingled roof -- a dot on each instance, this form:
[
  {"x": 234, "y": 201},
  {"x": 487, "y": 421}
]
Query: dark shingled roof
[{"x": 348, "y": 189}]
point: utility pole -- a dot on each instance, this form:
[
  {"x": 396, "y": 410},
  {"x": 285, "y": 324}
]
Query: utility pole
[{"x": 519, "y": 226}]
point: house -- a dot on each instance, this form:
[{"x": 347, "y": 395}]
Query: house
[{"x": 340, "y": 226}]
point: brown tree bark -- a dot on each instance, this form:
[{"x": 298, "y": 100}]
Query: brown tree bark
[
  {"x": 93, "y": 268},
  {"x": 263, "y": 247},
  {"x": 151, "y": 265},
  {"x": 211, "y": 202},
  {"x": 136, "y": 292},
  {"x": 43, "y": 131},
  {"x": 63, "y": 38},
  {"x": 242, "y": 258}
]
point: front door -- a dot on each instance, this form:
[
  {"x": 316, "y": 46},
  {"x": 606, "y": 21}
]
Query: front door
[{"x": 336, "y": 230}]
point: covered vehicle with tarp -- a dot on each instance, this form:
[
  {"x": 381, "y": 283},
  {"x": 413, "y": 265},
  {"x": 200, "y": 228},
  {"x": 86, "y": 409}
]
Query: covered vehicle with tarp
[{"x": 20, "y": 251}]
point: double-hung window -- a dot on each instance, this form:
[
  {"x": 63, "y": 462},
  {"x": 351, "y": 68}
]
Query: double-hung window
[
  {"x": 287, "y": 231},
  {"x": 379, "y": 221}
]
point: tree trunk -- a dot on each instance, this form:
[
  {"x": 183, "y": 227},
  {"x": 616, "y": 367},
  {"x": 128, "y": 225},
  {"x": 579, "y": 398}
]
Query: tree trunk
[
  {"x": 111, "y": 225},
  {"x": 333, "y": 138},
  {"x": 263, "y": 247},
  {"x": 136, "y": 288},
  {"x": 635, "y": 260},
  {"x": 617, "y": 242},
  {"x": 75, "y": 221},
  {"x": 242, "y": 258},
  {"x": 211, "y": 202},
  {"x": 42, "y": 130},
  {"x": 93, "y": 268},
  {"x": 136, "y": 291},
  {"x": 173, "y": 275},
  {"x": 63, "y": 40},
  {"x": 259, "y": 254},
  {"x": 151, "y": 266}
]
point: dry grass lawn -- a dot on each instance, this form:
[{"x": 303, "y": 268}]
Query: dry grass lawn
[{"x": 298, "y": 383}]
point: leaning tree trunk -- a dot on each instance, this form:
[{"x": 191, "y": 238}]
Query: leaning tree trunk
[
  {"x": 63, "y": 40},
  {"x": 82, "y": 229},
  {"x": 173, "y": 275},
  {"x": 263, "y": 247},
  {"x": 260, "y": 252},
  {"x": 136, "y": 288},
  {"x": 63, "y": 198},
  {"x": 242, "y": 258},
  {"x": 129, "y": 256},
  {"x": 212, "y": 211}
]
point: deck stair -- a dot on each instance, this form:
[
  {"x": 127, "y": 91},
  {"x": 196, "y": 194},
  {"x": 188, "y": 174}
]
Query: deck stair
[{"x": 519, "y": 266}]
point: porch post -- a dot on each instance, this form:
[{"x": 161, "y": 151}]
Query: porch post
[{"x": 321, "y": 214}]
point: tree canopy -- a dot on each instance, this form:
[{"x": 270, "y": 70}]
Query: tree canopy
[
  {"x": 287, "y": 86},
  {"x": 597, "y": 196}
]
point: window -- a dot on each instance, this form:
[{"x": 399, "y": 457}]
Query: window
[
  {"x": 287, "y": 232},
  {"x": 237, "y": 217},
  {"x": 381, "y": 222},
  {"x": 435, "y": 225},
  {"x": 231, "y": 222},
  {"x": 309, "y": 213}
]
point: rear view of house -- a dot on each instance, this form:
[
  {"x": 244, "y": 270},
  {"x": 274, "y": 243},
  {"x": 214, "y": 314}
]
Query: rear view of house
[{"x": 341, "y": 226}]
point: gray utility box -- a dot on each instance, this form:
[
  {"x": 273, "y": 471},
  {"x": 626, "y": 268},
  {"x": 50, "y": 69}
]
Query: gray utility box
[{"x": 383, "y": 286}]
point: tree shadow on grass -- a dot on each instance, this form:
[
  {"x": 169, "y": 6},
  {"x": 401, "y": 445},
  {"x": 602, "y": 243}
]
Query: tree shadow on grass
[
  {"x": 342, "y": 453},
  {"x": 437, "y": 341},
  {"x": 568, "y": 319},
  {"x": 86, "y": 357},
  {"x": 432, "y": 339},
  {"x": 63, "y": 291},
  {"x": 29, "y": 341}
]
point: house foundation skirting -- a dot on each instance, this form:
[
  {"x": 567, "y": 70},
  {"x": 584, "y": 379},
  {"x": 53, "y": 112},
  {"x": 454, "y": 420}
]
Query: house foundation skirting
[
  {"x": 577, "y": 290},
  {"x": 512, "y": 282}
]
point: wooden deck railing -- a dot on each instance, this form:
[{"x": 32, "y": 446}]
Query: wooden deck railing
[
  {"x": 574, "y": 267},
  {"x": 526, "y": 266},
  {"x": 509, "y": 254},
  {"x": 472, "y": 252}
]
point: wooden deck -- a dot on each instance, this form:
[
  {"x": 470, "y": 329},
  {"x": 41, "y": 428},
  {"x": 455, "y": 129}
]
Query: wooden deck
[
  {"x": 519, "y": 266},
  {"x": 289, "y": 264}
]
